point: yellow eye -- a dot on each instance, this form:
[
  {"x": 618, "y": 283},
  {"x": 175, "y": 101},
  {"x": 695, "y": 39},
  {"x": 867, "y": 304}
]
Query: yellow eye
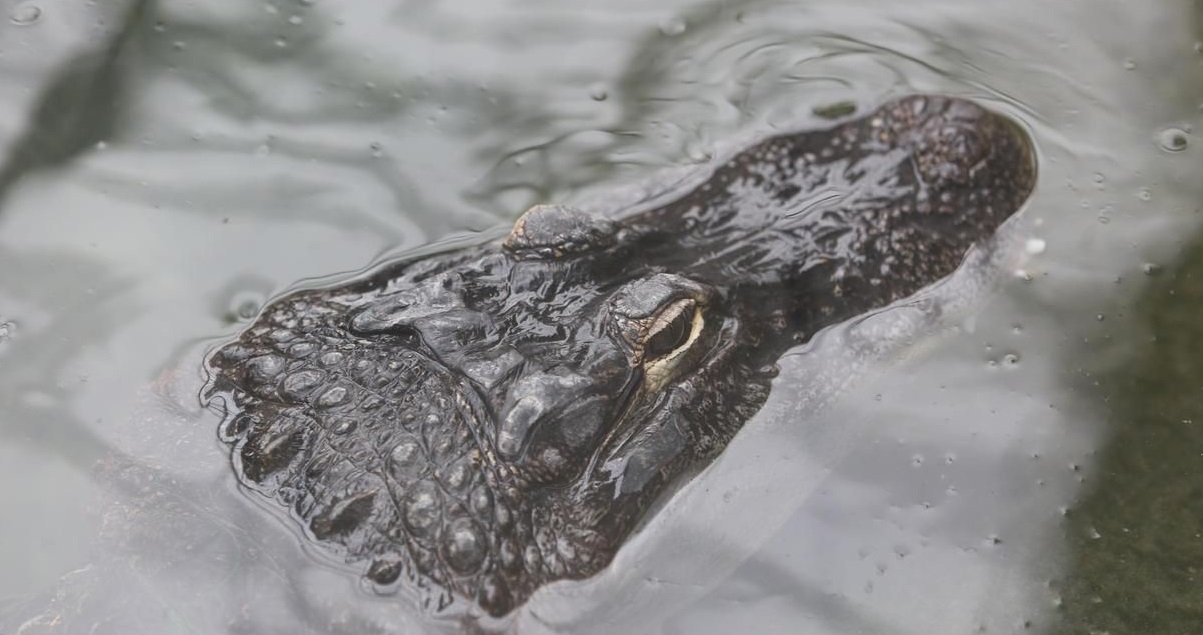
[
  {"x": 669, "y": 341},
  {"x": 670, "y": 330}
]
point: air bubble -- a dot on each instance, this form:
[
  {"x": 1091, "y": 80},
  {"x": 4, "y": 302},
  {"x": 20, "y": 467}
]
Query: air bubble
[
  {"x": 245, "y": 308},
  {"x": 295, "y": 20},
  {"x": 1011, "y": 359},
  {"x": 1173, "y": 139},
  {"x": 1150, "y": 268},
  {"x": 377, "y": 149},
  {"x": 1144, "y": 194},
  {"x": 280, "y": 42},
  {"x": 1129, "y": 64},
  {"x": 672, "y": 26},
  {"x": 597, "y": 92},
  {"x": 1035, "y": 246},
  {"x": 26, "y": 14}
]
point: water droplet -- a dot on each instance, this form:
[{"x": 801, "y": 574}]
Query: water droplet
[
  {"x": 302, "y": 350},
  {"x": 332, "y": 397},
  {"x": 1173, "y": 139},
  {"x": 264, "y": 368},
  {"x": 1100, "y": 317},
  {"x": 25, "y": 14},
  {"x": 481, "y": 501},
  {"x": 423, "y": 507},
  {"x": 408, "y": 461},
  {"x": 532, "y": 558},
  {"x": 698, "y": 153},
  {"x": 597, "y": 92},
  {"x": 331, "y": 358},
  {"x": 672, "y": 26},
  {"x": 464, "y": 546},
  {"x": 385, "y": 571},
  {"x": 1035, "y": 246},
  {"x": 301, "y": 383},
  {"x": 509, "y": 555}
]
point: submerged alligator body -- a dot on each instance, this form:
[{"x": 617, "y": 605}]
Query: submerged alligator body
[{"x": 481, "y": 422}]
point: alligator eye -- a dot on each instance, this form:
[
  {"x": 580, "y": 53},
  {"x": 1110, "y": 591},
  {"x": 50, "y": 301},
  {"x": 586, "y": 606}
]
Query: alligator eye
[
  {"x": 670, "y": 330},
  {"x": 668, "y": 341}
]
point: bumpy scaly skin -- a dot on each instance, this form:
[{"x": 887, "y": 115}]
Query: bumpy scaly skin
[{"x": 481, "y": 423}]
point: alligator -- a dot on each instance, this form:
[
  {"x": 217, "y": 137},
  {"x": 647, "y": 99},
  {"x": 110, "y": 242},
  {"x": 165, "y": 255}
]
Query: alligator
[{"x": 478, "y": 422}]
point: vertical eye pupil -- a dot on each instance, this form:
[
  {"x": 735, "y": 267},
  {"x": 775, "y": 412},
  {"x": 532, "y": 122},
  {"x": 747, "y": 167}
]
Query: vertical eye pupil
[{"x": 670, "y": 337}]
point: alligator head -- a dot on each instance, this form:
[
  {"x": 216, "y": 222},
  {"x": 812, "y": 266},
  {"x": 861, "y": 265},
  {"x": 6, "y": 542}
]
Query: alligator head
[{"x": 484, "y": 421}]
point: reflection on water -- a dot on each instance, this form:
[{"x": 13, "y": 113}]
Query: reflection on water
[{"x": 1014, "y": 454}]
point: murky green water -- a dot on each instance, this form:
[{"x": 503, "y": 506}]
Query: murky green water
[{"x": 1028, "y": 458}]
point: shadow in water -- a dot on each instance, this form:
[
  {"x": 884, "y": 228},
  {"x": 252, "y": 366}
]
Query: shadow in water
[
  {"x": 79, "y": 108},
  {"x": 1136, "y": 539}
]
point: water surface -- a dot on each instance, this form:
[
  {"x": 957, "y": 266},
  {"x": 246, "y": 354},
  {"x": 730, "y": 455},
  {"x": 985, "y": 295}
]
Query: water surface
[{"x": 1017, "y": 453}]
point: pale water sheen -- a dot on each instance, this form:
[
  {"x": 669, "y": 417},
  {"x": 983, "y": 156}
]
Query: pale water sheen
[{"x": 171, "y": 165}]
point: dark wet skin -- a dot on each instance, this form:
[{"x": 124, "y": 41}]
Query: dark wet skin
[{"x": 481, "y": 422}]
